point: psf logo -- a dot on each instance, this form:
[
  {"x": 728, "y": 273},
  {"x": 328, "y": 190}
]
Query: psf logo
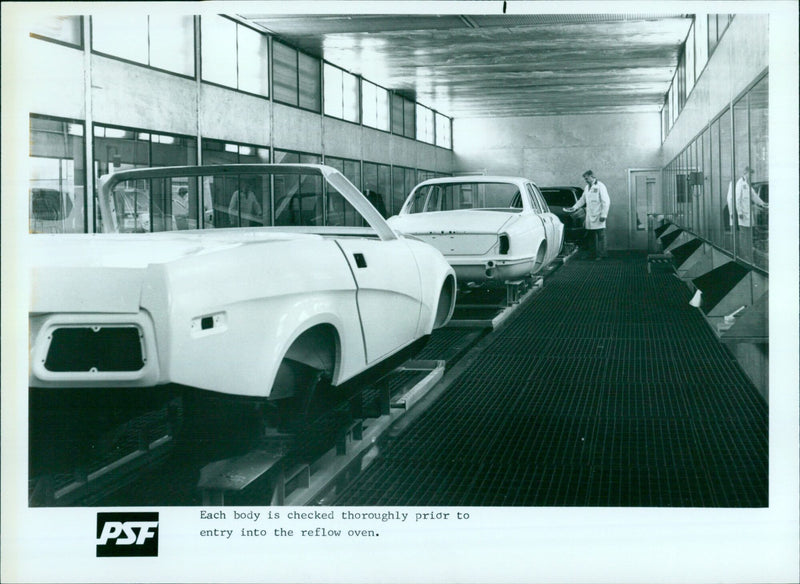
[{"x": 127, "y": 534}]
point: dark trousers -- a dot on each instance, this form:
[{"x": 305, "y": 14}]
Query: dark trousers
[{"x": 600, "y": 250}]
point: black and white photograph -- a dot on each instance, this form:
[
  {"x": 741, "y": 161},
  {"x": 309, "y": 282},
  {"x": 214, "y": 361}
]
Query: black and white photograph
[{"x": 441, "y": 291}]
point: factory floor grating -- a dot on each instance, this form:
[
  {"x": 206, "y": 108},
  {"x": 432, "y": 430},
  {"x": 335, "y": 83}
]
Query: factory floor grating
[{"x": 606, "y": 389}]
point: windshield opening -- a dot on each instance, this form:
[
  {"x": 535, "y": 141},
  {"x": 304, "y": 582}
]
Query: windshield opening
[
  {"x": 466, "y": 195},
  {"x": 224, "y": 200},
  {"x": 559, "y": 197}
]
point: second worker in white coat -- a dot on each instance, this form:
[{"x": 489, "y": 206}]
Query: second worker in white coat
[{"x": 595, "y": 198}]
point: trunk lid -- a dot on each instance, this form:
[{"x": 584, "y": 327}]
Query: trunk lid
[
  {"x": 106, "y": 272},
  {"x": 462, "y": 232}
]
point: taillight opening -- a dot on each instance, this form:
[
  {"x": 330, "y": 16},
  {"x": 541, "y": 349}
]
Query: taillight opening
[{"x": 504, "y": 244}]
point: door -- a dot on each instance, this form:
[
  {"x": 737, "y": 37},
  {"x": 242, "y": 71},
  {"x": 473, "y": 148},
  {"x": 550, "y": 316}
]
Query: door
[
  {"x": 389, "y": 292},
  {"x": 644, "y": 189},
  {"x": 552, "y": 225}
]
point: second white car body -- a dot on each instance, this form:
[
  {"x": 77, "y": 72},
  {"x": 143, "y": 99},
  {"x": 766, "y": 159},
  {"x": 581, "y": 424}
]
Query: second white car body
[{"x": 494, "y": 228}]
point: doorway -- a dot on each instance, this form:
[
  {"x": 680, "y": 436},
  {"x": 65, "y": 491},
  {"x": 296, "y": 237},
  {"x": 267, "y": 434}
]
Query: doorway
[{"x": 644, "y": 190}]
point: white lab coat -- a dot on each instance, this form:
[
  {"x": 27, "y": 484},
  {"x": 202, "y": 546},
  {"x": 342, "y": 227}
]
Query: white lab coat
[
  {"x": 595, "y": 198},
  {"x": 744, "y": 194}
]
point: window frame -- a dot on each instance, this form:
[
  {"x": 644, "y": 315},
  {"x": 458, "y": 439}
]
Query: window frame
[
  {"x": 81, "y": 43},
  {"x": 199, "y": 68},
  {"x": 195, "y": 67},
  {"x": 342, "y": 72}
]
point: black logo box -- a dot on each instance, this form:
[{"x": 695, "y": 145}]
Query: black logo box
[{"x": 122, "y": 530}]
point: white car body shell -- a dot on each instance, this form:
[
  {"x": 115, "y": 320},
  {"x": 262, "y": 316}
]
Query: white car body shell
[
  {"x": 470, "y": 238},
  {"x": 219, "y": 309}
]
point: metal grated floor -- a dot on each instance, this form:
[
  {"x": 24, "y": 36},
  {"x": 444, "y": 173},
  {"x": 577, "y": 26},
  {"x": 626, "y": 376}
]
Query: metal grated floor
[{"x": 606, "y": 389}]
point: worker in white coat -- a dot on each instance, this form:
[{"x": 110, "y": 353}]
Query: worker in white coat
[
  {"x": 741, "y": 198},
  {"x": 595, "y": 198},
  {"x": 745, "y": 195}
]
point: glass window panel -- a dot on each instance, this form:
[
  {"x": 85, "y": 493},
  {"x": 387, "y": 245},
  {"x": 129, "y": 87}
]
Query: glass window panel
[
  {"x": 336, "y": 163},
  {"x": 121, "y": 37},
  {"x": 178, "y": 152},
  {"x": 284, "y": 71},
  {"x": 310, "y": 89},
  {"x": 121, "y": 149},
  {"x": 689, "y": 161},
  {"x": 385, "y": 188},
  {"x": 673, "y": 102},
  {"x": 339, "y": 212},
  {"x": 397, "y": 114},
  {"x": 398, "y": 189},
  {"x": 172, "y": 43},
  {"x": 310, "y": 159},
  {"x": 376, "y": 186},
  {"x": 298, "y": 200},
  {"x": 695, "y": 186},
  {"x": 712, "y": 32},
  {"x": 759, "y": 130},
  {"x": 369, "y": 104},
  {"x": 690, "y": 66},
  {"x": 285, "y": 157},
  {"x": 424, "y": 124},
  {"x": 705, "y": 186},
  {"x": 741, "y": 142},
  {"x": 350, "y": 99},
  {"x": 370, "y": 170},
  {"x": 253, "y": 60},
  {"x": 67, "y": 29},
  {"x": 410, "y": 178},
  {"x": 443, "y": 137},
  {"x": 409, "y": 119},
  {"x": 382, "y": 109},
  {"x": 215, "y": 152},
  {"x": 218, "y": 50},
  {"x": 759, "y": 162},
  {"x": 248, "y": 205},
  {"x": 725, "y": 172},
  {"x": 718, "y": 219},
  {"x": 701, "y": 42},
  {"x": 722, "y": 24},
  {"x": 57, "y": 170},
  {"x": 333, "y": 91},
  {"x": 352, "y": 171}
]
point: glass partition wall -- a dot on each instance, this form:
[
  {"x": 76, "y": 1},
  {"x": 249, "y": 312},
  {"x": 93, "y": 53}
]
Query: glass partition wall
[{"x": 718, "y": 186}]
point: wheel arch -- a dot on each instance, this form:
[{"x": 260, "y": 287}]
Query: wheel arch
[
  {"x": 446, "y": 301},
  {"x": 318, "y": 346},
  {"x": 541, "y": 254}
]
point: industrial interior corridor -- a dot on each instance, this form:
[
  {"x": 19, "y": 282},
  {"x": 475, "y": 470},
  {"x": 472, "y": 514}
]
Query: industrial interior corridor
[{"x": 606, "y": 389}]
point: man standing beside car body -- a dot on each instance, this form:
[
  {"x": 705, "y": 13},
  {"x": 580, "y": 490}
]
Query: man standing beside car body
[{"x": 595, "y": 198}]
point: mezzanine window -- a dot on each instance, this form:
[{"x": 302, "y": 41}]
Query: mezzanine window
[
  {"x": 234, "y": 55},
  {"x": 164, "y": 42},
  {"x": 67, "y": 30}
]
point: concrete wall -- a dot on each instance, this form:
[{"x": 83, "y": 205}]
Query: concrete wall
[
  {"x": 143, "y": 98},
  {"x": 556, "y": 150},
  {"x": 740, "y": 58},
  {"x": 228, "y": 115}
]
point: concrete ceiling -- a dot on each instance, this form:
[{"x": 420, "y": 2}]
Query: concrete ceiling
[{"x": 500, "y": 65}]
